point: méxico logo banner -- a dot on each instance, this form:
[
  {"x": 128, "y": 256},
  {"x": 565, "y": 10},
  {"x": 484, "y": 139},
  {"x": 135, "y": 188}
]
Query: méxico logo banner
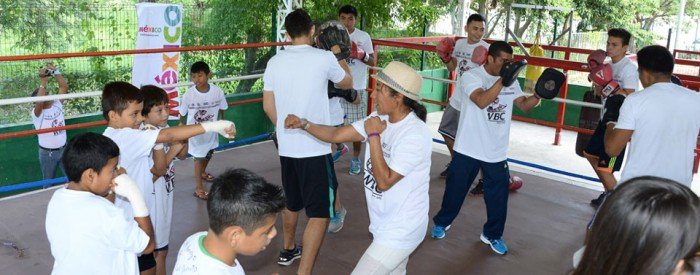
[{"x": 159, "y": 26}]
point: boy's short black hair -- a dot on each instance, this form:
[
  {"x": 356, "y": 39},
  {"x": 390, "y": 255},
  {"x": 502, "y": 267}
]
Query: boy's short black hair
[
  {"x": 655, "y": 59},
  {"x": 200, "y": 67},
  {"x": 152, "y": 96},
  {"x": 475, "y": 17},
  {"x": 117, "y": 95},
  {"x": 240, "y": 197},
  {"x": 499, "y": 47},
  {"x": 87, "y": 151},
  {"x": 348, "y": 9},
  {"x": 621, "y": 33},
  {"x": 298, "y": 23}
]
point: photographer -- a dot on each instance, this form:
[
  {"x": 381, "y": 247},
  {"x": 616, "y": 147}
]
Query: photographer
[{"x": 49, "y": 114}]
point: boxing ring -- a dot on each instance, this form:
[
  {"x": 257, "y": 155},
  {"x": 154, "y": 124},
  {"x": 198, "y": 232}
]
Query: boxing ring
[{"x": 546, "y": 219}]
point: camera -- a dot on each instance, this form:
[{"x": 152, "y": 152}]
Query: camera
[{"x": 46, "y": 72}]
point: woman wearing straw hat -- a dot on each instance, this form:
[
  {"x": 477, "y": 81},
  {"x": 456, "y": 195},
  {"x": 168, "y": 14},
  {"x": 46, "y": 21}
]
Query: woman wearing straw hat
[{"x": 397, "y": 167}]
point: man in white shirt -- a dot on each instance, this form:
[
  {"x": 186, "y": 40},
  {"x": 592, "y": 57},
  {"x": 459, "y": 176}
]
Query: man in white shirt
[
  {"x": 358, "y": 64},
  {"x": 626, "y": 76},
  {"x": 49, "y": 114},
  {"x": 482, "y": 143},
  {"x": 460, "y": 60},
  {"x": 662, "y": 121},
  {"x": 296, "y": 82}
]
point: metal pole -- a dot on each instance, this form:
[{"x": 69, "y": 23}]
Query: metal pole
[
  {"x": 681, "y": 13},
  {"x": 554, "y": 38},
  {"x": 571, "y": 29},
  {"x": 562, "y": 106},
  {"x": 507, "y": 23},
  {"x": 668, "y": 39}
]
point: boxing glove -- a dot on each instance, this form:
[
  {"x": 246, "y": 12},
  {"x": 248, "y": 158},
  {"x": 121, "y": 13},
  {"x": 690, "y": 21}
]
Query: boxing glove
[
  {"x": 357, "y": 53},
  {"x": 349, "y": 95},
  {"x": 126, "y": 187},
  {"x": 596, "y": 58},
  {"x": 332, "y": 34},
  {"x": 602, "y": 76},
  {"x": 479, "y": 55},
  {"x": 510, "y": 71},
  {"x": 445, "y": 48},
  {"x": 221, "y": 127}
]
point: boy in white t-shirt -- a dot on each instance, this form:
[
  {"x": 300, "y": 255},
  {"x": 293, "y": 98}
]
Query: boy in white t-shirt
[
  {"x": 88, "y": 234},
  {"x": 460, "y": 59},
  {"x": 489, "y": 95},
  {"x": 155, "y": 113},
  {"x": 296, "y": 81},
  {"x": 361, "y": 58},
  {"x": 122, "y": 104},
  {"x": 49, "y": 114},
  {"x": 201, "y": 103},
  {"x": 626, "y": 76},
  {"x": 661, "y": 123},
  {"x": 242, "y": 210}
]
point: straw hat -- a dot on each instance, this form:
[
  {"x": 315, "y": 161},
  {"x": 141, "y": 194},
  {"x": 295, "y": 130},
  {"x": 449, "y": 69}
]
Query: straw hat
[{"x": 402, "y": 79}]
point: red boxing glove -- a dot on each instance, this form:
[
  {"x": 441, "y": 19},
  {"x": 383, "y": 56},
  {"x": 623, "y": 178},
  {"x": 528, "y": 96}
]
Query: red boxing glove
[
  {"x": 596, "y": 58},
  {"x": 602, "y": 77},
  {"x": 356, "y": 52},
  {"x": 444, "y": 49},
  {"x": 480, "y": 54}
]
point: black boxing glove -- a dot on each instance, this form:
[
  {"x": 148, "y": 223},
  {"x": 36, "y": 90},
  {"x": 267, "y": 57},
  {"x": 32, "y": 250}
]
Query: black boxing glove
[
  {"x": 612, "y": 108},
  {"x": 350, "y": 95},
  {"x": 510, "y": 71}
]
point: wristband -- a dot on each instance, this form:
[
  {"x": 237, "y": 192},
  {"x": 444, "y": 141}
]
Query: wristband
[
  {"x": 305, "y": 124},
  {"x": 366, "y": 58},
  {"x": 372, "y": 134}
]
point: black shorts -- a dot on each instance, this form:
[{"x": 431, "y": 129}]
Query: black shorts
[
  {"x": 310, "y": 183},
  {"x": 596, "y": 148},
  {"x": 146, "y": 261}
]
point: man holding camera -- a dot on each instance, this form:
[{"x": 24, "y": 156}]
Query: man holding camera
[{"x": 49, "y": 114}]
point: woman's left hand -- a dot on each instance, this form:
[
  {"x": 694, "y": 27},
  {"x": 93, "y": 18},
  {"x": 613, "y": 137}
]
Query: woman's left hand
[{"x": 375, "y": 125}]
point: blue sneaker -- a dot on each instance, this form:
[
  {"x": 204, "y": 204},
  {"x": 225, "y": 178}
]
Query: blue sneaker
[
  {"x": 439, "y": 231},
  {"x": 336, "y": 223},
  {"x": 340, "y": 152},
  {"x": 497, "y": 245},
  {"x": 355, "y": 167}
]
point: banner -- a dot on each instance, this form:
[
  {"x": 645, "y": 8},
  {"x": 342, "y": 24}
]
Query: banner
[{"x": 159, "y": 26}]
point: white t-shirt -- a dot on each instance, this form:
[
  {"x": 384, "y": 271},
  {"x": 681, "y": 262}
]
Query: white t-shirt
[
  {"x": 193, "y": 259},
  {"x": 399, "y": 216},
  {"x": 665, "y": 119},
  {"x": 50, "y": 118},
  {"x": 135, "y": 149},
  {"x": 162, "y": 210},
  {"x": 336, "y": 111},
  {"x": 625, "y": 74},
  {"x": 201, "y": 107},
  {"x": 298, "y": 76},
  {"x": 463, "y": 55},
  {"x": 358, "y": 69},
  {"x": 483, "y": 133},
  {"x": 89, "y": 235}
]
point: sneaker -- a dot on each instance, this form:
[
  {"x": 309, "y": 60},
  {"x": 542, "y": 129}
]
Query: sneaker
[
  {"x": 439, "y": 231},
  {"x": 596, "y": 202},
  {"x": 355, "y": 167},
  {"x": 340, "y": 152},
  {"x": 497, "y": 245},
  {"x": 443, "y": 174},
  {"x": 287, "y": 257},
  {"x": 337, "y": 221},
  {"x": 478, "y": 189}
]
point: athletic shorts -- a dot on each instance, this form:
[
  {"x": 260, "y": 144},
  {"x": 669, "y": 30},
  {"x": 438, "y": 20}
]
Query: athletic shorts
[
  {"x": 596, "y": 148},
  {"x": 310, "y": 183},
  {"x": 355, "y": 112},
  {"x": 146, "y": 261},
  {"x": 207, "y": 157},
  {"x": 449, "y": 122}
]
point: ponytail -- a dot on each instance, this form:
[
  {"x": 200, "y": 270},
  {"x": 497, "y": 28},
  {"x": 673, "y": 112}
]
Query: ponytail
[{"x": 417, "y": 108}]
